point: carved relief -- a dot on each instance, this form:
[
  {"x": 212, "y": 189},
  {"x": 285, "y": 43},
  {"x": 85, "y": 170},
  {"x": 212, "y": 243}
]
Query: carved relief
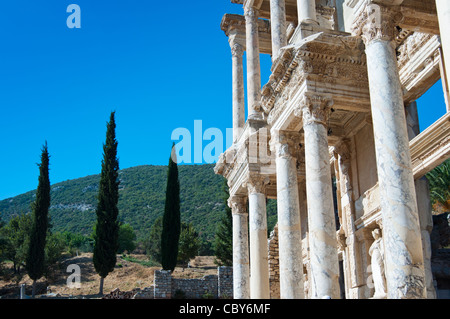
[
  {"x": 285, "y": 143},
  {"x": 315, "y": 108},
  {"x": 237, "y": 50},
  {"x": 257, "y": 183},
  {"x": 238, "y": 205},
  {"x": 377, "y": 22}
]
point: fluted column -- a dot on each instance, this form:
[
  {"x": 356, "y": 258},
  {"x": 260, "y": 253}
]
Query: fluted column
[
  {"x": 237, "y": 52},
  {"x": 285, "y": 146},
  {"x": 402, "y": 238},
  {"x": 241, "y": 271},
  {"x": 259, "y": 263},
  {"x": 253, "y": 63},
  {"x": 443, "y": 11},
  {"x": 324, "y": 277},
  {"x": 278, "y": 26}
]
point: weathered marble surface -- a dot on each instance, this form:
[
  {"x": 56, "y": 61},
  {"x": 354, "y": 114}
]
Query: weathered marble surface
[
  {"x": 289, "y": 227},
  {"x": 253, "y": 63},
  {"x": 238, "y": 90},
  {"x": 306, "y": 10},
  {"x": 241, "y": 270},
  {"x": 324, "y": 276},
  {"x": 278, "y": 26},
  {"x": 259, "y": 263},
  {"x": 404, "y": 257}
]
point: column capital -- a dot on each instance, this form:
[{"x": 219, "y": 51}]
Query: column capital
[
  {"x": 237, "y": 50},
  {"x": 315, "y": 108},
  {"x": 251, "y": 12},
  {"x": 238, "y": 204},
  {"x": 285, "y": 143},
  {"x": 257, "y": 183},
  {"x": 377, "y": 23}
]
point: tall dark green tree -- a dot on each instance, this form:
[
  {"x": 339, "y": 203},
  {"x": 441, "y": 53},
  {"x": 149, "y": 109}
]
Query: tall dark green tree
[
  {"x": 35, "y": 259},
  {"x": 153, "y": 242},
  {"x": 106, "y": 232},
  {"x": 223, "y": 244},
  {"x": 170, "y": 234}
]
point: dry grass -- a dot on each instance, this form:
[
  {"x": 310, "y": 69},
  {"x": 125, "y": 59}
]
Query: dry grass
[{"x": 126, "y": 277}]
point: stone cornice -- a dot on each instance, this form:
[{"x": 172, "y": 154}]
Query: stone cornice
[
  {"x": 378, "y": 19},
  {"x": 234, "y": 27},
  {"x": 431, "y": 147},
  {"x": 331, "y": 55},
  {"x": 237, "y": 21}
]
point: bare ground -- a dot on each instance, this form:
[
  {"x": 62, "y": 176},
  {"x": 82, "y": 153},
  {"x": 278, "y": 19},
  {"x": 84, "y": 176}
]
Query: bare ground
[{"x": 126, "y": 277}]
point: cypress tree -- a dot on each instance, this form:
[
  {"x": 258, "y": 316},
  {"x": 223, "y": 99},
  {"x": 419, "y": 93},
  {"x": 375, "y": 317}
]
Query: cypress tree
[
  {"x": 224, "y": 234},
  {"x": 35, "y": 259},
  {"x": 170, "y": 234},
  {"x": 106, "y": 231}
]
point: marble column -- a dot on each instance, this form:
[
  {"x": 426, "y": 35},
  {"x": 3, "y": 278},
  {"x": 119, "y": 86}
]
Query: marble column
[
  {"x": 278, "y": 26},
  {"x": 443, "y": 11},
  {"x": 259, "y": 263},
  {"x": 423, "y": 203},
  {"x": 324, "y": 277},
  {"x": 237, "y": 51},
  {"x": 241, "y": 271},
  {"x": 306, "y": 10},
  {"x": 401, "y": 230},
  {"x": 253, "y": 63},
  {"x": 285, "y": 145}
]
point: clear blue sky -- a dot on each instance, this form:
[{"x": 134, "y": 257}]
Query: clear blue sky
[{"x": 159, "y": 64}]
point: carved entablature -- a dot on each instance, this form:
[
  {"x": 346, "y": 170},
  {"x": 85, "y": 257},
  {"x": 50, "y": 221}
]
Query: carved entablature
[
  {"x": 419, "y": 58},
  {"x": 383, "y": 19},
  {"x": 234, "y": 27},
  {"x": 320, "y": 60}
]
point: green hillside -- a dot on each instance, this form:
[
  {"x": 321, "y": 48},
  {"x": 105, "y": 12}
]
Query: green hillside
[{"x": 142, "y": 196}]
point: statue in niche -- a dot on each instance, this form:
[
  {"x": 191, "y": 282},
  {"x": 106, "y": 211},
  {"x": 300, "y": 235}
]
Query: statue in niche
[{"x": 376, "y": 253}]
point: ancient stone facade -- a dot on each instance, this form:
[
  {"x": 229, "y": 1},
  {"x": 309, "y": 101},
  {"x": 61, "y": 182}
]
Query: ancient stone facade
[{"x": 334, "y": 137}]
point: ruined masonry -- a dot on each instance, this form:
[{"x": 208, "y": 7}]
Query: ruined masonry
[{"x": 334, "y": 137}]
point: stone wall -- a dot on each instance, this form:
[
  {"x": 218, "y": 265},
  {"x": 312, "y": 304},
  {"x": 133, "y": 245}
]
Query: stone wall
[
  {"x": 225, "y": 280},
  {"x": 211, "y": 286},
  {"x": 274, "y": 268}
]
